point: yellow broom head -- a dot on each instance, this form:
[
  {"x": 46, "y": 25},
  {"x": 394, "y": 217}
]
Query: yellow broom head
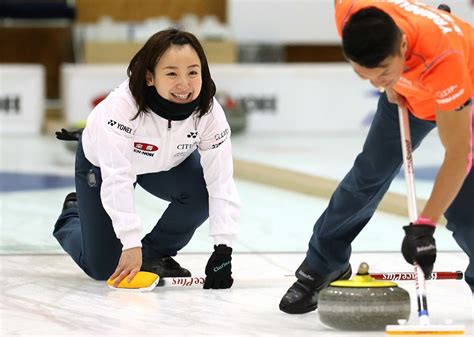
[
  {"x": 143, "y": 281},
  {"x": 424, "y": 330}
]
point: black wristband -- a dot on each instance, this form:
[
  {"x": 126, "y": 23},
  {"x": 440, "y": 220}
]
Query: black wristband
[{"x": 467, "y": 103}]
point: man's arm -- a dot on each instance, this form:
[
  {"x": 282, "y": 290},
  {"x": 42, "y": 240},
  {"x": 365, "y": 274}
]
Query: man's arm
[{"x": 454, "y": 128}]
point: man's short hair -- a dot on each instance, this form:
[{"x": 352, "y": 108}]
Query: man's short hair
[{"x": 370, "y": 36}]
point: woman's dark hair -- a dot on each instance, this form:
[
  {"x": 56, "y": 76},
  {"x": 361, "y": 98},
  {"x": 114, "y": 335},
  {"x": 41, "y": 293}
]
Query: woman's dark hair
[
  {"x": 148, "y": 56},
  {"x": 370, "y": 36}
]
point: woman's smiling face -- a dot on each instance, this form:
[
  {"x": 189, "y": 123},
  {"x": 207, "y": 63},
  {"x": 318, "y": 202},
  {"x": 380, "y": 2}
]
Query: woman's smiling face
[{"x": 177, "y": 75}]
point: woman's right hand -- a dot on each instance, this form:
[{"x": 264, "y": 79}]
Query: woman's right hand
[{"x": 129, "y": 265}]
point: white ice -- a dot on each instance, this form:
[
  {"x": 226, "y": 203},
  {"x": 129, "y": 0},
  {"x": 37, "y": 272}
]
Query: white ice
[{"x": 43, "y": 293}]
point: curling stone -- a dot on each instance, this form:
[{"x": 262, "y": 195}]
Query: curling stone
[{"x": 363, "y": 303}]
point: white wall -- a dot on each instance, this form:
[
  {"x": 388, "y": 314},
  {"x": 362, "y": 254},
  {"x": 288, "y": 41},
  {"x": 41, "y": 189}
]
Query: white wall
[{"x": 300, "y": 21}]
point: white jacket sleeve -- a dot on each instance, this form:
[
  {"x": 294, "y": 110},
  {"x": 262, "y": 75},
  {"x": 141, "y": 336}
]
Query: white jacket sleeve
[
  {"x": 114, "y": 149},
  {"x": 216, "y": 159}
]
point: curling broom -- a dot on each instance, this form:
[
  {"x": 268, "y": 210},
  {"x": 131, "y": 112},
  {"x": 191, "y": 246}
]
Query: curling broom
[{"x": 424, "y": 328}]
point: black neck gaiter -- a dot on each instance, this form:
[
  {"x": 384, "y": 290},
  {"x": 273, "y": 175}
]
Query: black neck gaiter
[{"x": 167, "y": 109}]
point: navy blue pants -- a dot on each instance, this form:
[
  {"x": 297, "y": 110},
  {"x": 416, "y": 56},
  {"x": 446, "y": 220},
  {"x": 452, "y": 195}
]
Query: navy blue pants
[
  {"x": 359, "y": 193},
  {"x": 86, "y": 233}
]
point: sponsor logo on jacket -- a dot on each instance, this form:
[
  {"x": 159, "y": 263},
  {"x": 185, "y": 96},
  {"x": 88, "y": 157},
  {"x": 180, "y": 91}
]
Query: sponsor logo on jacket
[
  {"x": 221, "y": 137},
  {"x": 184, "y": 146},
  {"x": 444, "y": 22},
  {"x": 145, "y": 149},
  {"x": 449, "y": 94},
  {"x": 121, "y": 127}
]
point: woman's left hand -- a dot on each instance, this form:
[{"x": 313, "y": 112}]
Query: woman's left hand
[{"x": 219, "y": 269}]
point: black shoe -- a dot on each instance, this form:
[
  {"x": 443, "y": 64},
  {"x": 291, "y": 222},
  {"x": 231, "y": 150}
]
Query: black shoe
[
  {"x": 70, "y": 201},
  {"x": 164, "y": 267},
  {"x": 302, "y": 296}
]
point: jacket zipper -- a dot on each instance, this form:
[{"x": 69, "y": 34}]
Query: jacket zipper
[{"x": 168, "y": 135}]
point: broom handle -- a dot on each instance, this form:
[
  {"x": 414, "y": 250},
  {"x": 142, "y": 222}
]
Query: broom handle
[
  {"x": 408, "y": 163},
  {"x": 412, "y": 211},
  {"x": 198, "y": 281},
  {"x": 410, "y": 276}
]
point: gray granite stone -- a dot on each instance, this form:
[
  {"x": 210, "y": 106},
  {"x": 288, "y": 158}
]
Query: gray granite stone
[{"x": 358, "y": 309}]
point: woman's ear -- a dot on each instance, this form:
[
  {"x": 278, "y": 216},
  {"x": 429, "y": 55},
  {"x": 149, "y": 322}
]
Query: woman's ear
[{"x": 149, "y": 79}]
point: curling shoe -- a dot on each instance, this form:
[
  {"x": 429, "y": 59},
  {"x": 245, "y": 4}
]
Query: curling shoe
[
  {"x": 70, "y": 201},
  {"x": 302, "y": 296},
  {"x": 164, "y": 267}
]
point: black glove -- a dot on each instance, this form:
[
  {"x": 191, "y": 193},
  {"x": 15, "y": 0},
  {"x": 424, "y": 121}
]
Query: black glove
[
  {"x": 419, "y": 246},
  {"x": 445, "y": 8},
  {"x": 219, "y": 269},
  {"x": 64, "y": 134}
]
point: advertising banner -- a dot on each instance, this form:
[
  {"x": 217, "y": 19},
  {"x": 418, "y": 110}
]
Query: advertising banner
[
  {"x": 276, "y": 98},
  {"x": 22, "y": 98}
]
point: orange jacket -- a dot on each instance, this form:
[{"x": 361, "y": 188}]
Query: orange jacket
[{"x": 439, "y": 69}]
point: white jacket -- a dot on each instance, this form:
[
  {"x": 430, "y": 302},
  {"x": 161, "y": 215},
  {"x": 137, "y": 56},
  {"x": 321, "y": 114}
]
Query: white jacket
[{"x": 124, "y": 148}]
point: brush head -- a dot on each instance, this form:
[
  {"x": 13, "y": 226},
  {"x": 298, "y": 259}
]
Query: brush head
[
  {"x": 143, "y": 281},
  {"x": 424, "y": 330}
]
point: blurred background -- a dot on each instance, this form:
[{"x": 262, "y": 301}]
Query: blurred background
[
  {"x": 298, "y": 113},
  {"x": 67, "y": 41},
  {"x": 299, "y": 117}
]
